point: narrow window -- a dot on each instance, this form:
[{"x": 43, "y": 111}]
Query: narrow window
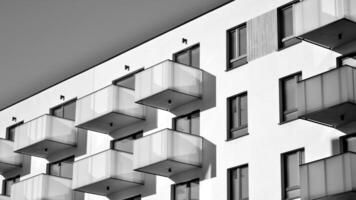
[
  {"x": 62, "y": 168},
  {"x": 237, "y": 46},
  {"x": 237, "y": 115},
  {"x": 238, "y": 183},
  {"x": 186, "y": 191},
  {"x": 189, "y": 56},
  {"x": 126, "y": 144},
  {"x": 290, "y": 173},
  {"x": 189, "y": 123},
  {"x": 285, "y": 24},
  {"x": 10, "y": 131},
  {"x": 7, "y": 183},
  {"x": 288, "y": 92},
  {"x": 65, "y": 110},
  {"x": 127, "y": 81}
]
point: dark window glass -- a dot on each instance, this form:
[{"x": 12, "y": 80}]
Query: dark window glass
[
  {"x": 238, "y": 183},
  {"x": 348, "y": 143},
  {"x": 126, "y": 144},
  {"x": 190, "y": 56},
  {"x": 285, "y": 24},
  {"x": 188, "y": 123},
  {"x": 66, "y": 110},
  {"x": 10, "y": 131},
  {"x": 289, "y": 97},
  {"x": 238, "y": 117},
  {"x": 290, "y": 167},
  {"x": 237, "y": 46},
  {"x": 186, "y": 191},
  {"x": 7, "y": 183},
  {"x": 63, "y": 168}
]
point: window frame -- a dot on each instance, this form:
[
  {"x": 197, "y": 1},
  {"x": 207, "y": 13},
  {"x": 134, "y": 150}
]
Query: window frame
[
  {"x": 173, "y": 186},
  {"x": 48, "y": 166},
  {"x": 289, "y": 41},
  {"x": 62, "y": 105},
  {"x": 4, "y": 184},
  {"x": 243, "y": 128},
  {"x": 138, "y": 133},
  {"x": 229, "y": 180},
  {"x": 174, "y": 121},
  {"x": 7, "y": 136},
  {"x": 284, "y": 189},
  {"x": 189, "y": 49},
  {"x": 127, "y": 76},
  {"x": 282, "y": 112},
  {"x": 243, "y": 58}
]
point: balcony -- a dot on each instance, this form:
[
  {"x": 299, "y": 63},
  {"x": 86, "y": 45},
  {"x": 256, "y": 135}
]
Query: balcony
[
  {"x": 108, "y": 109},
  {"x": 8, "y": 158},
  {"x": 167, "y": 153},
  {"x": 168, "y": 85},
  {"x": 45, "y": 136},
  {"x": 329, "y": 23},
  {"x": 2, "y": 197},
  {"x": 106, "y": 172},
  {"x": 331, "y": 178},
  {"x": 329, "y": 98},
  {"x": 44, "y": 187}
]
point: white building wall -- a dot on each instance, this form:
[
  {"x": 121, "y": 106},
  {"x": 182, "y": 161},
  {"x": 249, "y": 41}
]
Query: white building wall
[{"x": 267, "y": 139}]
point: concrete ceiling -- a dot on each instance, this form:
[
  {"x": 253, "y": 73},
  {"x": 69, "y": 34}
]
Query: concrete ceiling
[{"x": 43, "y": 42}]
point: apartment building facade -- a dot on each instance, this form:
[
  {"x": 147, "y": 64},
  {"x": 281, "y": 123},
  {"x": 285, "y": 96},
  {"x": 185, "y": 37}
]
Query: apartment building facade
[{"x": 253, "y": 100}]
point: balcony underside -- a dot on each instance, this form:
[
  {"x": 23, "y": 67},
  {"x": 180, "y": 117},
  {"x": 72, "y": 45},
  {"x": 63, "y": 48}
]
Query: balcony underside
[
  {"x": 109, "y": 122},
  {"x": 342, "y": 196},
  {"x": 44, "y": 148},
  {"x": 329, "y": 35},
  {"x": 167, "y": 99},
  {"x": 335, "y": 116},
  {"x": 167, "y": 168},
  {"x": 4, "y": 167},
  {"x": 107, "y": 186}
]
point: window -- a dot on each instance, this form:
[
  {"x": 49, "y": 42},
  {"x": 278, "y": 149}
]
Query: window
[
  {"x": 127, "y": 81},
  {"x": 65, "y": 110},
  {"x": 7, "y": 183},
  {"x": 348, "y": 143},
  {"x": 189, "y": 123},
  {"x": 238, "y": 183},
  {"x": 126, "y": 144},
  {"x": 285, "y": 26},
  {"x": 186, "y": 191},
  {"x": 189, "y": 56},
  {"x": 10, "y": 131},
  {"x": 290, "y": 173},
  {"x": 134, "y": 198},
  {"x": 62, "y": 168},
  {"x": 237, "y": 115},
  {"x": 288, "y": 96},
  {"x": 237, "y": 46}
]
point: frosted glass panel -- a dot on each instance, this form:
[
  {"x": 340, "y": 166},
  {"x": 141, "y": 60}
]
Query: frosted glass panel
[
  {"x": 43, "y": 187},
  {"x": 109, "y": 99},
  {"x": 45, "y": 127},
  {"x": 105, "y": 165},
  {"x": 167, "y": 144},
  {"x": 7, "y": 154},
  {"x": 168, "y": 75}
]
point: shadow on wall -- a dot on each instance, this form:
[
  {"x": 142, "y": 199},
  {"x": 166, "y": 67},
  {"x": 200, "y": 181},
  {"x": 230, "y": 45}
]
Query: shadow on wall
[
  {"x": 148, "y": 124},
  {"x": 147, "y": 189},
  {"x": 208, "y": 99},
  {"x": 208, "y": 169}
]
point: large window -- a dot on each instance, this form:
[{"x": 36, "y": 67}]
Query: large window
[
  {"x": 238, "y": 183},
  {"x": 186, "y": 191},
  {"x": 65, "y": 110},
  {"x": 7, "y": 183},
  {"x": 189, "y": 123},
  {"x": 237, "y": 115},
  {"x": 288, "y": 93},
  {"x": 126, "y": 144},
  {"x": 290, "y": 174},
  {"x": 285, "y": 26},
  {"x": 10, "y": 131},
  {"x": 189, "y": 56},
  {"x": 62, "y": 168},
  {"x": 237, "y": 46}
]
